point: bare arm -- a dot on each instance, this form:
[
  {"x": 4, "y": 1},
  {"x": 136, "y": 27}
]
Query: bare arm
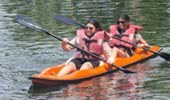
[
  {"x": 66, "y": 46},
  {"x": 107, "y": 51},
  {"x": 142, "y": 42}
]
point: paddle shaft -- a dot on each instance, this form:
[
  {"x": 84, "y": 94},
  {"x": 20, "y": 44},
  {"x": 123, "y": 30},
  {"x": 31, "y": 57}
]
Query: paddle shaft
[
  {"x": 136, "y": 45},
  {"x": 120, "y": 68}
]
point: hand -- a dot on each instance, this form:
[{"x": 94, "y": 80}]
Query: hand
[
  {"x": 111, "y": 60},
  {"x": 143, "y": 45},
  {"x": 64, "y": 44},
  {"x": 140, "y": 45},
  {"x": 65, "y": 41}
]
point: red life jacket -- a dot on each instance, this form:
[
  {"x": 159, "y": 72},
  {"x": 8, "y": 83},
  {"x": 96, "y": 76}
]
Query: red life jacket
[
  {"x": 128, "y": 35},
  {"x": 137, "y": 28},
  {"x": 93, "y": 44}
]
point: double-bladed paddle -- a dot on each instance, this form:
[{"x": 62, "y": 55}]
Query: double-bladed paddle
[
  {"x": 166, "y": 56},
  {"x": 66, "y": 20},
  {"x": 29, "y": 23}
]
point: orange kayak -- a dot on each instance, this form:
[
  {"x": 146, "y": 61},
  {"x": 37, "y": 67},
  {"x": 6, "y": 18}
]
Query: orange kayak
[{"x": 48, "y": 77}]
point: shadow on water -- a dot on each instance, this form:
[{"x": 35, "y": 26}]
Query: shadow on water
[{"x": 44, "y": 89}]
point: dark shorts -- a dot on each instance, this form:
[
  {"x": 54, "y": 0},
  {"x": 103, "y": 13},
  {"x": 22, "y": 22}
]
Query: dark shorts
[
  {"x": 127, "y": 49},
  {"x": 78, "y": 62}
]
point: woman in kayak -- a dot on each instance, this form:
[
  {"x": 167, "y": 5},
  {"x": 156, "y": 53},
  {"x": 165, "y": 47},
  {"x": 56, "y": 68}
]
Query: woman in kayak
[
  {"x": 125, "y": 30},
  {"x": 92, "y": 39}
]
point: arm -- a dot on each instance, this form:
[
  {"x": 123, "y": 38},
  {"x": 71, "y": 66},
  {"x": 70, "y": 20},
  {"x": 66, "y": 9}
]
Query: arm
[
  {"x": 107, "y": 51},
  {"x": 141, "y": 42},
  {"x": 65, "y": 45}
]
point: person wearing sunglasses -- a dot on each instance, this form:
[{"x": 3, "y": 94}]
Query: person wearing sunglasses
[
  {"x": 92, "y": 39},
  {"x": 125, "y": 30}
]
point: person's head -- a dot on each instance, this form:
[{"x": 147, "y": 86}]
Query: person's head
[
  {"x": 92, "y": 27},
  {"x": 123, "y": 21}
]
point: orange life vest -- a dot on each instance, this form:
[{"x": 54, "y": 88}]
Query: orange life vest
[{"x": 93, "y": 44}]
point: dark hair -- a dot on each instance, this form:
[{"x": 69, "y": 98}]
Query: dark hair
[
  {"x": 96, "y": 24},
  {"x": 125, "y": 17}
]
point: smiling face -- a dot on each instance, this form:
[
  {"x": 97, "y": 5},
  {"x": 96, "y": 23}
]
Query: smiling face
[{"x": 90, "y": 29}]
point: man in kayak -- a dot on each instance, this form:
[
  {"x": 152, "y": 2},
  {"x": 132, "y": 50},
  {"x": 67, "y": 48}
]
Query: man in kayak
[
  {"x": 125, "y": 30},
  {"x": 92, "y": 39}
]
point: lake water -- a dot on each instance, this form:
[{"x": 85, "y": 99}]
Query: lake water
[{"x": 25, "y": 52}]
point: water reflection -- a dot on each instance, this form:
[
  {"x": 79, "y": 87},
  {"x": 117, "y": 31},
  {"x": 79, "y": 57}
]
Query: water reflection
[{"x": 112, "y": 86}]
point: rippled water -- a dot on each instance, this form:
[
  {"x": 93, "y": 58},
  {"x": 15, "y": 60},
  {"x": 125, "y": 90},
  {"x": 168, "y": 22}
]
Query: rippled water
[{"x": 25, "y": 52}]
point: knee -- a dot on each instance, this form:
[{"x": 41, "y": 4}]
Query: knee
[
  {"x": 87, "y": 65},
  {"x": 67, "y": 69}
]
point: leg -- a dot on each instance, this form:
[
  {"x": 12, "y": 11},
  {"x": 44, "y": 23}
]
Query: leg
[
  {"x": 86, "y": 65},
  {"x": 90, "y": 64},
  {"x": 118, "y": 53},
  {"x": 70, "y": 67}
]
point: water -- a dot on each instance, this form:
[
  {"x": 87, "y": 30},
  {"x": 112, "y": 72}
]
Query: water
[{"x": 25, "y": 52}]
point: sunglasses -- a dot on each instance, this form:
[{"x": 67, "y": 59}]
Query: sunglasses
[
  {"x": 90, "y": 28},
  {"x": 122, "y": 22}
]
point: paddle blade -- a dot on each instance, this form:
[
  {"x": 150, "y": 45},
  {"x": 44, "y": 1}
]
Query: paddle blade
[
  {"x": 29, "y": 23},
  {"x": 165, "y": 56},
  {"x": 68, "y": 20}
]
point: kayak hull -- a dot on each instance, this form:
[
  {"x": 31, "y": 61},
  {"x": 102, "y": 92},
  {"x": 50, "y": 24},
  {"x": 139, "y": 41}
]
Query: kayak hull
[{"x": 48, "y": 77}]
